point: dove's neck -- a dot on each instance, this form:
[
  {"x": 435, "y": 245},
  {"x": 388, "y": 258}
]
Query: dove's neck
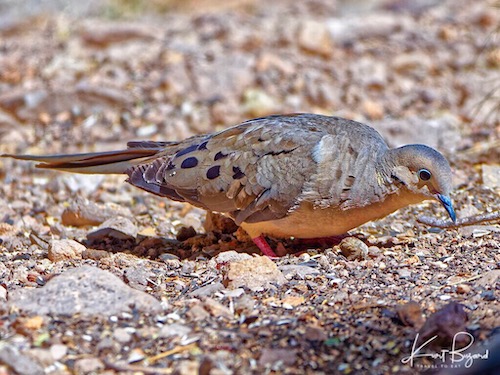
[
  {"x": 388, "y": 162},
  {"x": 393, "y": 168}
]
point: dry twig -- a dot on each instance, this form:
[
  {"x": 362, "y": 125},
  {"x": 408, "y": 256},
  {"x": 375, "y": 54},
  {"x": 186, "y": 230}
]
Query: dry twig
[
  {"x": 176, "y": 350},
  {"x": 489, "y": 218}
]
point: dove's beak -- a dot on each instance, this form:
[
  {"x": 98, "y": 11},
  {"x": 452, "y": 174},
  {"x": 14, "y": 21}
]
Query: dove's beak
[{"x": 446, "y": 202}]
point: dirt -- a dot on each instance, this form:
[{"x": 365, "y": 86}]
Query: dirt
[{"x": 85, "y": 79}]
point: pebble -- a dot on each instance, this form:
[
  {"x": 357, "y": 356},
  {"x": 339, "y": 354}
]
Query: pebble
[
  {"x": 444, "y": 297},
  {"x": 374, "y": 251},
  {"x": 440, "y": 264},
  {"x": 270, "y": 356},
  {"x": 256, "y": 274},
  {"x": 138, "y": 276},
  {"x": 404, "y": 273},
  {"x": 291, "y": 271},
  {"x": 207, "y": 290},
  {"x": 174, "y": 329},
  {"x": 88, "y": 365},
  {"x": 120, "y": 228},
  {"x": 147, "y": 131},
  {"x": 185, "y": 233},
  {"x": 216, "y": 308},
  {"x": 488, "y": 295},
  {"x": 228, "y": 257},
  {"x": 353, "y": 248},
  {"x": 82, "y": 212},
  {"x": 95, "y": 254},
  {"x": 65, "y": 249},
  {"x": 314, "y": 333},
  {"x": 102, "y": 34},
  {"x": 463, "y": 289},
  {"x": 349, "y": 29},
  {"x": 188, "y": 367},
  {"x": 414, "y": 62},
  {"x": 58, "y": 351},
  {"x": 314, "y": 37},
  {"x": 289, "y": 302},
  {"x": 218, "y": 222},
  {"x": 196, "y": 312},
  {"x": 258, "y": 103},
  {"x": 373, "y": 110},
  {"x": 369, "y": 73},
  {"x": 122, "y": 335},
  {"x": 244, "y": 305},
  {"x": 235, "y": 293},
  {"x": 136, "y": 355}
]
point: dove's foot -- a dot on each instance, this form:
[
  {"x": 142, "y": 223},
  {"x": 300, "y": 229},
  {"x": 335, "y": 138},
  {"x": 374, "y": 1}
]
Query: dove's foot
[{"x": 264, "y": 247}]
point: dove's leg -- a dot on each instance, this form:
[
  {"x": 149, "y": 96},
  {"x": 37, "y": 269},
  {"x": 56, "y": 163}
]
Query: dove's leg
[{"x": 264, "y": 246}]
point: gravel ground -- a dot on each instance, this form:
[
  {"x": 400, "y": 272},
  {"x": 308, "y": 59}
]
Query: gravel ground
[{"x": 99, "y": 277}]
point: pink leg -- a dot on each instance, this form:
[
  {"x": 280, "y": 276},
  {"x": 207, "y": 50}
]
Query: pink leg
[{"x": 264, "y": 246}]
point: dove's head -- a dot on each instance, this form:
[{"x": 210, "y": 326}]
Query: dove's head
[{"x": 424, "y": 171}]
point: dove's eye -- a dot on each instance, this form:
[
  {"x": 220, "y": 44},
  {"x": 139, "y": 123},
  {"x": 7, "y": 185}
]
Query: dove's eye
[{"x": 424, "y": 175}]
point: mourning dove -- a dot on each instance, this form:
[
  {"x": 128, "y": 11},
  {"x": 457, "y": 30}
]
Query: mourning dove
[{"x": 302, "y": 175}]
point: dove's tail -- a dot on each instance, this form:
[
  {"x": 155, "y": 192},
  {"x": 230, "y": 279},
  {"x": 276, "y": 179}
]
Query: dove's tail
[{"x": 110, "y": 162}]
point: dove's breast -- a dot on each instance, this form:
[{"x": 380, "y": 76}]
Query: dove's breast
[{"x": 307, "y": 221}]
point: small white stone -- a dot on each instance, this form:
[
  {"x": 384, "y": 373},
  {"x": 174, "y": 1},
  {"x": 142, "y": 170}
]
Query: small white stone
[
  {"x": 64, "y": 250},
  {"x": 58, "y": 351}
]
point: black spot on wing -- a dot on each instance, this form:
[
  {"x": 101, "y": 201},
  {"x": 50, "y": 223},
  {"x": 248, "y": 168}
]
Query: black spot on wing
[
  {"x": 237, "y": 173},
  {"x": 202, "y": 146},
  {"x": 219, "y": 155},
  {"x": 186, "y": 150},
  {"x": 274, "y": 153},
  {"x": 190, "y": 162},
  {"x": 213, "y": 172}
]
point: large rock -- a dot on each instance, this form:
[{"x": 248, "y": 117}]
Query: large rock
[{"x": 86, "y": 290}]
